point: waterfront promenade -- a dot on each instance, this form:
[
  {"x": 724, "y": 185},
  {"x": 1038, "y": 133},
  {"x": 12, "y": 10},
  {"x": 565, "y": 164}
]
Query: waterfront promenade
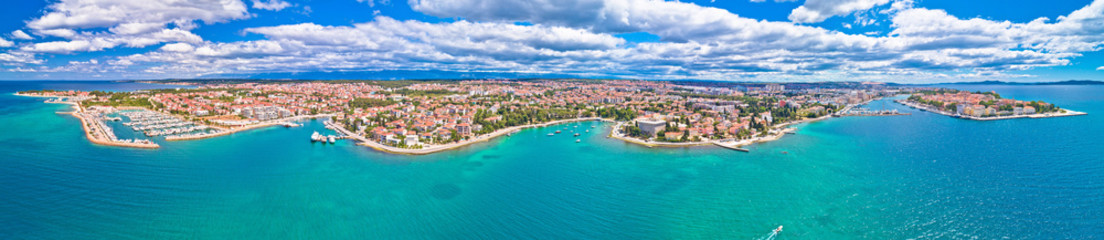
[{"x": 438, "y": 148}]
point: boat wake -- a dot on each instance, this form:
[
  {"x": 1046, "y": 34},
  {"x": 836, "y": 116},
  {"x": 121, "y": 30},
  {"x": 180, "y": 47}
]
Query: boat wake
[{"x": 773, "y": 234}]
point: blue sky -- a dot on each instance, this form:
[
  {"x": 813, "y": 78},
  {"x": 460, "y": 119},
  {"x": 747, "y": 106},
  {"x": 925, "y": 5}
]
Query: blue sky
[{"x": 736, "y": 40}]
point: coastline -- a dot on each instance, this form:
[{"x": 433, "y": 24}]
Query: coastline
[
  {"x": 727, "y": 143},
  {"x": 781, "y": 130},
  {"x": 90, "y": 133},
  {"x": 616, "y": 134},
  {"x": 730, "y": 143},
  {"x": 438, "y": 148},
  {"x": 946, "y": 113}
]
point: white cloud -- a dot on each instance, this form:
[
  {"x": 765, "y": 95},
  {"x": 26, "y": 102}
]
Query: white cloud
[
  {"x": 66, "y": 46},
  {"x": 79, "y": 14},
  {"x": 271, "y": 5},
  {"x": 177, "y": 47},
  {"x": 18, "y": 58},
  {"x": 62, "y": 33},
  {"x": 101, "y": 41},
  {"x": 814, "y": 11},
  {"x": 731, "y": 42},
  {"x": 136, "y": 28},
  {"x": 577, "y": 37},
  {"x": 1101, "y": 68},
  {"x": 5, "y": 43},
  {"x": 19, "y": 34},
  {"x": 130, "y": 23},
  {"x": 372, "y": 3}
]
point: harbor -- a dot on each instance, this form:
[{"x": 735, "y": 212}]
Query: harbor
[
  {"x": 97, "y": 131},
  {"x": 156, "y": 124}
]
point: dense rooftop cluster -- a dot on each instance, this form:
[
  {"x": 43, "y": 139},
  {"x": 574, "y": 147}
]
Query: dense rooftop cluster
[
  {"x": 979, "y": 104},
  {"x": 413, "y": 114}
]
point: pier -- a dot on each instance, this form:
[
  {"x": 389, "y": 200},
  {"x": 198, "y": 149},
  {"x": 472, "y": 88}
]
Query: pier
[
  {"x": 867, "y": 112},
  {"x": 732, "y": 146}
]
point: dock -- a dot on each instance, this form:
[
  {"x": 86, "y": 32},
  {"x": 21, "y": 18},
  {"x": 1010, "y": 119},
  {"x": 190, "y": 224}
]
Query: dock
[{"x": 734, "y": 146}]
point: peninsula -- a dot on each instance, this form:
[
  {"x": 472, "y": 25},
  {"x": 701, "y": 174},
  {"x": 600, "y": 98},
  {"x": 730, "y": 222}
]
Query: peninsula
[
  {"x": 422, "y": 117},
  {"x": 981, "y": 105}
]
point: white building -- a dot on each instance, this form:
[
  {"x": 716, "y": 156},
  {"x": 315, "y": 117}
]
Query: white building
[{"x": 651, "y": 126}]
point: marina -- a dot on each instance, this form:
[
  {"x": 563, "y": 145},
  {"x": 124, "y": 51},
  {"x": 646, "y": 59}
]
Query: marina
[
  {"x": 155, "y": 124},
  {"x": 99, "y": 132}
]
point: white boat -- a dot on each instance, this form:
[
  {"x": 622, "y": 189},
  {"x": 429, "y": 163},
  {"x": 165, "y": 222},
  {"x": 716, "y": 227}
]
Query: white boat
[
  {"x": 578, "y": 140},
  {"x": 315, "y": 137},
  {"x": 331, "y": 139},
  {"x": 551, "y": 134}
]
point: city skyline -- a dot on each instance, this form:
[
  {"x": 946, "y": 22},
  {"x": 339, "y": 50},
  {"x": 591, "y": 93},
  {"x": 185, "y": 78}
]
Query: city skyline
[{"x": 779, "y": 41}]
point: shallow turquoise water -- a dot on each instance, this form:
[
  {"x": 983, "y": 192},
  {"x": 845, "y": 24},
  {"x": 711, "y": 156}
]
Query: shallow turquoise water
[{"x": 917, "y": 176}]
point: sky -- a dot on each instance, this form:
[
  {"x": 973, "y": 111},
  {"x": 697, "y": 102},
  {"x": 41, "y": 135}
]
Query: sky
[{"x": 905, "y": 41}]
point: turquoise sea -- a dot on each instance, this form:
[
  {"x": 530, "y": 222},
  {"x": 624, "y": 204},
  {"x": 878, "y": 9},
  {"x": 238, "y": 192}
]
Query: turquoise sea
[{"x": 922, "y": 176}]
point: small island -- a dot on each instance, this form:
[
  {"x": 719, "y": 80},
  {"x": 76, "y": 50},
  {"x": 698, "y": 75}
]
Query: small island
[
  {"x": 981, "y": 105},
  {"x": 428, "y": 116}
]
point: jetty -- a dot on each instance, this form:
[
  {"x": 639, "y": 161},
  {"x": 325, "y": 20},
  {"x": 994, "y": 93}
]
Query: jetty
[{"x": 731, "y": 146}]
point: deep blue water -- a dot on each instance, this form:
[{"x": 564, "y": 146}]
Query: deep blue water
[{"x": 920, "y": 176}]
